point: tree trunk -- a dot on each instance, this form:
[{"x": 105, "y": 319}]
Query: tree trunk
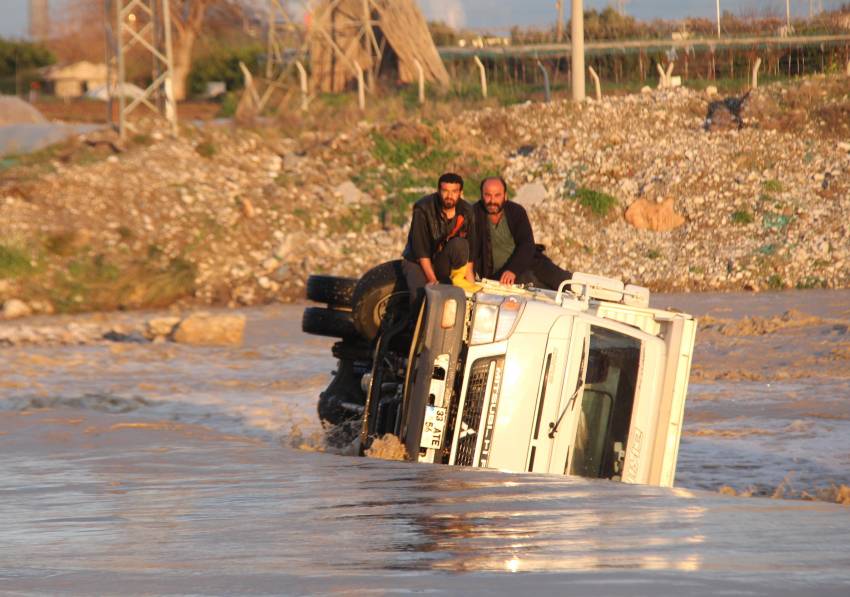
[{"x": 183, "y": 45}]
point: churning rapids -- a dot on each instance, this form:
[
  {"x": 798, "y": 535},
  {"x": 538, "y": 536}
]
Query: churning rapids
[{"x": 167, "y": 469}]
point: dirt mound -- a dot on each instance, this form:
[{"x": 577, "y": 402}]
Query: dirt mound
[
  {"x": 14, "y": 110},
  {"x": 759, "y": 326}
]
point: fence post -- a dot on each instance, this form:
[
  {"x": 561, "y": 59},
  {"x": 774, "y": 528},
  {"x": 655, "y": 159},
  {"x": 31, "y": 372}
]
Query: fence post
[
  {"x": 756, "y": 66},
  {"x": 596, "y": 84},
  {"x": 483, "y": 76},
  {"x": 361, "y": 87},
  {"x": 421, "y": 81},
  {"x": 662, "y": 76},
  {"x": 305, "y": 93},
  {"x": 546, "y": 88}
]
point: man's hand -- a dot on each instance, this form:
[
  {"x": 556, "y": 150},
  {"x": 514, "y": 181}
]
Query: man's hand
[
  {"x": 508, "y": 277},
  {"x": 428, "y": 270}
]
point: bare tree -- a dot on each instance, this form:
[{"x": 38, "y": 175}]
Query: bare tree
[{"x": 187, "y": 18}]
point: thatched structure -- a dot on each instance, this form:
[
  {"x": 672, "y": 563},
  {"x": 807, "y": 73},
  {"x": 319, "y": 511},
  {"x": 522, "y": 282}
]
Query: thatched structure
[{"x": 383, "y": 37}]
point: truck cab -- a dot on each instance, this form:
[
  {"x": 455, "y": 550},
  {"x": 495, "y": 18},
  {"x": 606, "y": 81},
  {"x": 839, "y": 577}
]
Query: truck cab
[{"x": 584, "y": 381}]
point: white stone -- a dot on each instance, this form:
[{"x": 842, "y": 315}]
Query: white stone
[
  {"x": 349, "y": 192},
  {"x": 14, "y": 308},
  {"x": 205, "y": 329},
  {"x": 530, "y": 194}
]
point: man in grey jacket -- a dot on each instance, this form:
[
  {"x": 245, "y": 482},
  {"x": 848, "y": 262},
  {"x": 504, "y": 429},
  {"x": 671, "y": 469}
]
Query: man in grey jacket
[{"x": 504, "y": 247}]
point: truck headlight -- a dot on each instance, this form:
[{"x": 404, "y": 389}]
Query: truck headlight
[
  {"x": 494, "y": 318},
  {"x": 484, "y": 323}
]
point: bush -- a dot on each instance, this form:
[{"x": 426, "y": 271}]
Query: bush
[
  {"x": 206, "y": 148},
  {"x": 17, "y": 56},
  {"x": 13, "y": 262},
  {"x": 222, "y": 64},
  {"x": 772, "y": 186},
  {"x": 742, "y": 216},
  {"x": 601, "y": 204}
]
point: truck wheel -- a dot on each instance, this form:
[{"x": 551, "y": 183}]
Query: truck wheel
[
  {"x": 328, "y": 322},
  {"x": 333, "y": 290},
  {"x": 377, "y": 289}
]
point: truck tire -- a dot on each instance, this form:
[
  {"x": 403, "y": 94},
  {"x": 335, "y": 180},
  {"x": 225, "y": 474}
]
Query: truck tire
[
  {"x": 333, "y": 290},
  {"x": 328, "y": 322},
  {"x": 375, "y": 290}
]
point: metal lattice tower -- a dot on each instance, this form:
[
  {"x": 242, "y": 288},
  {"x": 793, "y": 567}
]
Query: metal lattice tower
[
  {"x": 39, "y": 20},
  {"x": 141, "y": 27},
  {"x": 285, "y": 39}
]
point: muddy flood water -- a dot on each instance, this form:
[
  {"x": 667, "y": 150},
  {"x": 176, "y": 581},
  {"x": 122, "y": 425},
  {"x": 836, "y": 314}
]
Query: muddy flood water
[{"x": 160, "y": 469}]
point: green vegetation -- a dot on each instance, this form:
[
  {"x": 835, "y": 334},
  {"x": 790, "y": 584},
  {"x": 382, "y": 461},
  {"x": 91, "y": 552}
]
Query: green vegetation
[
  {"x": 13, "y": 262},
  {"x": 21, "y": 55},
  {"x": 653, "y": 254},
  {"x": 810, "y": 282},
  {"x": 775, "y": 221},
  {"x": 94, "y": 283},
  {"x": 772, "y": 186},
  {"x": 19, "y": 64},
  {"x": 600, "y": 204},
  {"x": 61, "y": 243},
  {"x": 774, "y": 282},
  {"x": 742, "y": 216},
  {"x": 206, "y": 149},
  {"x": 222, "y": 64}
]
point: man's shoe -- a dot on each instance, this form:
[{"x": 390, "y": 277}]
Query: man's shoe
[{"x": 458, "y": 277}]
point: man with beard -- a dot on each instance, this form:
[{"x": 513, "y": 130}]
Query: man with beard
[
  {"x": 440, "y": 239},
  {"x": 504, "y": 248}
]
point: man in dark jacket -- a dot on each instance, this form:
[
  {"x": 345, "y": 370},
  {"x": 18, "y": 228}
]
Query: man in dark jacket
[
  {"x": 440, "y": 239},
  {"x": 504, "y": 246}
]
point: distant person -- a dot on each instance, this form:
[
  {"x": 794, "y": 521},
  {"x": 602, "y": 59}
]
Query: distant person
[
  {"x": 504, "y": 248},
  {"x": 440, "y": 239}
]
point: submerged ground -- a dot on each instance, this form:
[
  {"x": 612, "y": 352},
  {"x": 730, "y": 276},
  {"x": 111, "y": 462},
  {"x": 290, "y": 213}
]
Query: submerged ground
[{"x": 164, "y": 468}]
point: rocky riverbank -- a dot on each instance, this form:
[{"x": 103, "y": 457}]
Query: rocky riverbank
[{"x": 631, "y": 187}]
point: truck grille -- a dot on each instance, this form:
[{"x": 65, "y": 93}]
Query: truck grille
[{"x": 472, "y": 409}]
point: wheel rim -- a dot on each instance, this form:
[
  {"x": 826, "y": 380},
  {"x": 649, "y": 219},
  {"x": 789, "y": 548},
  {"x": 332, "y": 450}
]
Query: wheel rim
[{"x": 381, "y": 306}]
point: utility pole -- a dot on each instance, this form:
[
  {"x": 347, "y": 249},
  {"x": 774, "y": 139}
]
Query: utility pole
[
  {"x": 577, "y": 47},
  {"x": 39, "y": 20},
  {"x": 787, "y": 17},
  {"x": 559, "y": 27},
  {"x": 142, "y": 26},
  {"x": 718, "y": 17}
]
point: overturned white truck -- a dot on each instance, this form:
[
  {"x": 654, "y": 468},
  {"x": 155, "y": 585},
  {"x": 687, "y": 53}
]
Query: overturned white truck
[{"x": 587, "y": 380}]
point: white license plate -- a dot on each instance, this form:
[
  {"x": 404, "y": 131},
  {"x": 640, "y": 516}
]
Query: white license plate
[{"x": 433, "y": 427}]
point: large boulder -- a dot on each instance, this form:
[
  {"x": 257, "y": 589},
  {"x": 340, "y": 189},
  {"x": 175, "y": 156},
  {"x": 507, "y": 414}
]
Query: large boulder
[
  {"x": 161, "y": 327},
  {"x": 14, "y": 308},
  {"x": 206, "y": 329},
  {"x": 644, "y": 214},
  {"x": 14, "y": 110}
]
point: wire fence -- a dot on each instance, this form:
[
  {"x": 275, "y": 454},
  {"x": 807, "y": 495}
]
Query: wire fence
[{"x": 522, "y": 73}]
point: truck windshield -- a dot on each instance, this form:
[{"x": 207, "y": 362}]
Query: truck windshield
[{"x": 606, "y": 404}]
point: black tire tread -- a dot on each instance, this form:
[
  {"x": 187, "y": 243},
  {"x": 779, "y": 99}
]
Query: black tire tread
[
  {"x": 328, "y": 322},
  {"x": 333, "y": 290}
]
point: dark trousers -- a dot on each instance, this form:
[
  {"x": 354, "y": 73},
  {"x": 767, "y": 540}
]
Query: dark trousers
[
  {"x": 453, "y": 256},
  {"x": 544, "y": 273}
]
